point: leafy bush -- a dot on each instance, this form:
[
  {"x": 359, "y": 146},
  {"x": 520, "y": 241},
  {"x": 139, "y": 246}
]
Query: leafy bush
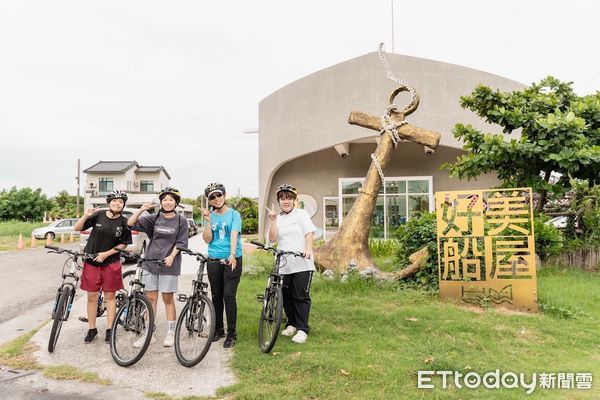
[
  {"x": 548, "y": 239},
  {"x": 584, "y": 223},
  {"x": 413, "y": 236}
]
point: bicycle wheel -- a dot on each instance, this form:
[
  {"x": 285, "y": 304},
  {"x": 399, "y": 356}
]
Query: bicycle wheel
[
  {"x": 59, "y": 315},
  {"x": 194, "y": 331},
  {"x": 132, "y": 330},
  {"x": 270, "y": 319}
]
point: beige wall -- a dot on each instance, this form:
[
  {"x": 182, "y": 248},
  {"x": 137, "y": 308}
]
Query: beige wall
[
  {"x": 317, "y": 174},
  {"x": 310, "y": 114}
]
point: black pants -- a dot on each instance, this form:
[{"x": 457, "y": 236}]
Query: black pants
[
  {"x": 296, "y": 299},
  {"x": 223, "y": 287}
]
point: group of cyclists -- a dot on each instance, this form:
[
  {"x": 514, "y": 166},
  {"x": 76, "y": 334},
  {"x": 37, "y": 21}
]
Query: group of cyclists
[{"x": 291, "y": 228}]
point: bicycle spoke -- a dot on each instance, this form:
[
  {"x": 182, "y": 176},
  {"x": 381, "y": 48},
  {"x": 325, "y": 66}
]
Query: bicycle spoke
[
  {"x": 194, "y": 331},
  {"x": 132, "y": 331}
]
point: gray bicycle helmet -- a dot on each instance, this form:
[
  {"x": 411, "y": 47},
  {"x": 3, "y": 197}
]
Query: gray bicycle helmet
[
  {"x": 116, "y": 194},
  {"x": 214, "y": 187}
]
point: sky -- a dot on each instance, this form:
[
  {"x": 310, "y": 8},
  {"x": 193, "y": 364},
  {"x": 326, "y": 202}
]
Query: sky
[{"x": 175, "y": 83}]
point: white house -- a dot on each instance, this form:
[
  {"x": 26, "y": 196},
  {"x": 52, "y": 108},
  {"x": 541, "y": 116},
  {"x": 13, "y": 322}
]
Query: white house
[{"x": 141, "y": 183}]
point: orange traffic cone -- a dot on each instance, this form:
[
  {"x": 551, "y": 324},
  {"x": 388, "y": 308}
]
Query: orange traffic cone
[
  {"x": 62, "y": 238},
  {"x": 20, "y": 243},
  {"x": 49, "y": 240},
  {"x": 33, "y": 242},
  {"x": 71, "y": 239}
]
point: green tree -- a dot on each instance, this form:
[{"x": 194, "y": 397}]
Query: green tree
[
  {"x": 23, "y": 204},
  {"x": 198, "y": 203},
  {"x": 248, "y": 209},
  {"x": 65, "y": 205},
  {"x": 560, "y": 132}
]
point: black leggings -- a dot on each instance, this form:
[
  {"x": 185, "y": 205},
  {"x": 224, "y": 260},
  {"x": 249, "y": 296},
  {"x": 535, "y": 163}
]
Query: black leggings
[
  {"x": 223, "y": 286},
  {"x": 296, "y": 299}
]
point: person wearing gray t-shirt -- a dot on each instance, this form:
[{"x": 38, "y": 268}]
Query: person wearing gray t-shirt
[{"x": 167, "y": 230}]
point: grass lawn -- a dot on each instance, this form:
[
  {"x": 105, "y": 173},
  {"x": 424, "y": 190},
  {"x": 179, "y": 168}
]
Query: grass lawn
[{"x": 368, "y": 341}]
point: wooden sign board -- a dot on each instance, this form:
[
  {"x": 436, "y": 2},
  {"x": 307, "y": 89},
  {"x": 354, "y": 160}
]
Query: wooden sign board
[{"x": 486, "y": 247}]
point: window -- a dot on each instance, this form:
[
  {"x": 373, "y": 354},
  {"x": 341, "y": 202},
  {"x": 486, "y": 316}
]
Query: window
[
  {"x": 400, "y": 198},
  {"x": 105, "y": 185},
  {"x": 146, "y": 186}
]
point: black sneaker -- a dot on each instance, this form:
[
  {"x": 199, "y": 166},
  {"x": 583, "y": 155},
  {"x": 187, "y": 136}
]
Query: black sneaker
[
  {"x": 107, "y": 337},
  {"x": 91, "y": 336},
  {"x": 230, "y": 341},
  {"x": 218, "y": 335}
]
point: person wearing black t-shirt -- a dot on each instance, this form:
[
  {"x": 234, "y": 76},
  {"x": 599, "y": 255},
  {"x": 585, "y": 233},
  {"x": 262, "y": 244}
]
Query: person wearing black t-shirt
[{"x": 104, "y": 271}]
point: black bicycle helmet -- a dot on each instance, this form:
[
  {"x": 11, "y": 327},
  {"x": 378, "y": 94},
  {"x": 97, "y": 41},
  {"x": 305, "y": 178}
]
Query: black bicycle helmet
[
  {"x": 116, "y": 194},
  {"x": 172, "y": 191},
  {"x": 287, "y": 188},
  {"x": 214, "y": 187}
]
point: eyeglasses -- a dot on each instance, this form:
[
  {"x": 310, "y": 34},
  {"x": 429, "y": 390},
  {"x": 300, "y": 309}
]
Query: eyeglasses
[{"x": 214, "y": 196}]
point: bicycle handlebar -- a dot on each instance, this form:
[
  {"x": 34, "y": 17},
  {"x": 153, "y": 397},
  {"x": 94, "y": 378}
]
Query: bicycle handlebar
[
  {"x": 197, "y": 254},
  {"x": 138, "y": 257},
  {"x": 276, "y": 251},
  {"x": 59, "y": 250}
]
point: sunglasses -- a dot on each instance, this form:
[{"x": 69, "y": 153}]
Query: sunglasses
[{"x": 214, "y": 196}]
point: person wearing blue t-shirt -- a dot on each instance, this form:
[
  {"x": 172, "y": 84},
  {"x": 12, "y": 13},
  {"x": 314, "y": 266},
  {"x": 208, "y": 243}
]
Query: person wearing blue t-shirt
[{"x": 222, "y": 233}]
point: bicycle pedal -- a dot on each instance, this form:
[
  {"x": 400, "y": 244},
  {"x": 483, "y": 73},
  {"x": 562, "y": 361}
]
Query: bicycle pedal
[
  {"x": 182, "y": 297},
  {"x": 83, "y": 319},
  {"x": 260, "y": 298}
]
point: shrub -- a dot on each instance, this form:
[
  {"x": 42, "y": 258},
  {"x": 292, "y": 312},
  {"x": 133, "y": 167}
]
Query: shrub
[
  {"x": 414, "y": 235},
  {"x": 548, "y": 239}
]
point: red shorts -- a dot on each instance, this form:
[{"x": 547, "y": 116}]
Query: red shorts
[{"x": 108, "y": 277}]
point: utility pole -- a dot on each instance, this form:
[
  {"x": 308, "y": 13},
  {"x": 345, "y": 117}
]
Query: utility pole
[{"x": 77, "y": 178}]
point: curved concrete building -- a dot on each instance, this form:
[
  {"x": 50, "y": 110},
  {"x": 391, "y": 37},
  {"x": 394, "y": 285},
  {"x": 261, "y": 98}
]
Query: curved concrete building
[{"x": 305, "y": 138}]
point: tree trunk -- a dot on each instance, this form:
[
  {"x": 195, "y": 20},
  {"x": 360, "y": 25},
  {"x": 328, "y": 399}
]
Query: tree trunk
[{"x": 351, "y": 241}]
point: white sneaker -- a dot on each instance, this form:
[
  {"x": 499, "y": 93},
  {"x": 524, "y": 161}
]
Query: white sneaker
[
  {"x": 169, "y": 339},
  {"x": 140, "y": 342},
  {"x": 289, "y": 331},
  {"x": 300, "y": 337}
]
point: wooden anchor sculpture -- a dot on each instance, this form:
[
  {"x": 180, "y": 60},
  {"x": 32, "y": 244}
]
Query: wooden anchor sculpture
[{"x": 350, "y": 244}]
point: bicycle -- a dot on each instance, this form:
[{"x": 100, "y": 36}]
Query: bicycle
[
  {"x": 61, "y": 309},
  {"x": 134, "y": 319},
  {"x": 127, "y": 277},
  {"x": 272, "y": 300},
  {"x": 195, "y": 326}
]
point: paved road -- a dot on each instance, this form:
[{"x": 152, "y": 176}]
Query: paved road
[
  {"x": 29, "y": 278},
  {"x": 157, "y": 371}
]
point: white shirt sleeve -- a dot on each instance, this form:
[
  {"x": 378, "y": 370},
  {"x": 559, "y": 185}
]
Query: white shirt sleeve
[{"x": 305, "y": 222}]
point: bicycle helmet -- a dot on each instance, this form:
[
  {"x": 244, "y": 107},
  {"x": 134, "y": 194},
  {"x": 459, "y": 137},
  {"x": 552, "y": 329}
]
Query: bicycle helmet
[
  {"x": 116, "y": 194},
  {"x": 172, "y": 191},
  {"x": 214, "y": 187},
  {"x": 287, "y": 188}
]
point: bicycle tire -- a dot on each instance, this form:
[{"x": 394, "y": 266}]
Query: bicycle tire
[
  {"x": 188, "y": 335},
  {"x": 127, "y": 275},
  {"x": 270, "y": 319},
  {"x": 134, "y": 318},
  {"x": 59, "y": 315}
]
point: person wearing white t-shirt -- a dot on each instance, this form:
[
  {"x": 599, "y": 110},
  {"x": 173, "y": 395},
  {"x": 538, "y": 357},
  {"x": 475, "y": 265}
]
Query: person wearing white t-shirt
[{"x": 293, "y": 230}]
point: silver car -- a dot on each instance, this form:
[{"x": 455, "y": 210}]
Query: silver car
[
  {"x": 57, "y": 228},
  {"x": 139, "y": 239}
]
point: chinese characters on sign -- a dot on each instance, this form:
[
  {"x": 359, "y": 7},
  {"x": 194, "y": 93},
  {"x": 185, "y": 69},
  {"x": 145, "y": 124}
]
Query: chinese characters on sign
[{"x": 486, "y": 250}]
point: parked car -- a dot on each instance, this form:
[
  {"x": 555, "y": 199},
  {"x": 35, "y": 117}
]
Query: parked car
[
  {"x": 193, "y": 227},
  {"x": 61, "y": 226},
  {"x": 139, "y": 239}
]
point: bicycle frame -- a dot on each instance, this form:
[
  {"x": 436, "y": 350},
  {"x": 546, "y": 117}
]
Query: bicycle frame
[{"x": 69, "y": 279}]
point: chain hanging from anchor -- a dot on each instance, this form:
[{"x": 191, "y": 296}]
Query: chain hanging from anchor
[{"x": 387, "y": 126}]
